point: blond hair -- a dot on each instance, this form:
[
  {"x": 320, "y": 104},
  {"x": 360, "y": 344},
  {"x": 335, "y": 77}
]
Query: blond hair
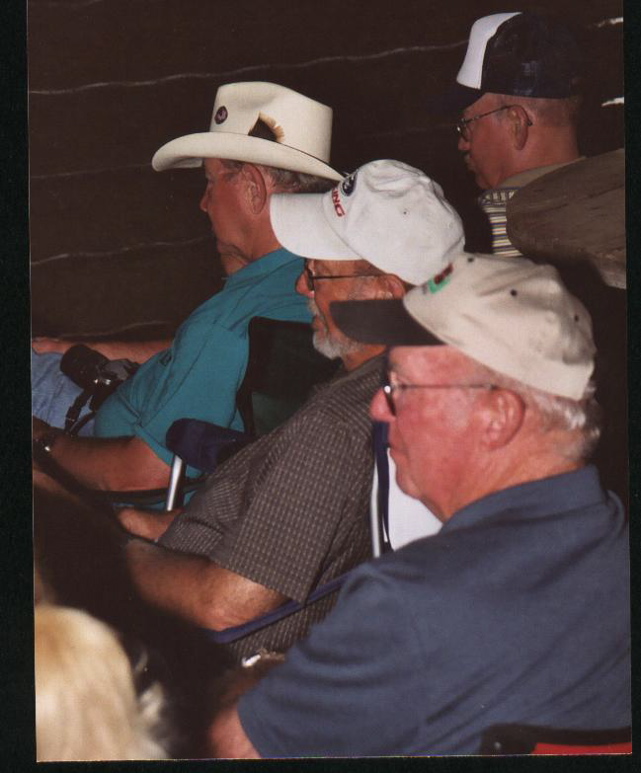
[{"x": 86, "y": 703}]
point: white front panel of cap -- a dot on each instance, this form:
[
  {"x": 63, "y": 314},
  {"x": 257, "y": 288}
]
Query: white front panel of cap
[
  {"x": 482, "y": 30},
  {"x": 296, "y": 120},
  {"x": 396, "y": 218}
]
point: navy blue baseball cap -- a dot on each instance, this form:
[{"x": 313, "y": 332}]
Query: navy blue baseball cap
[{"x": 518, "y": 54}]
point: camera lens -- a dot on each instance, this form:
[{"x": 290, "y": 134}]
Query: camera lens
[{"x": 83, "y": 365}]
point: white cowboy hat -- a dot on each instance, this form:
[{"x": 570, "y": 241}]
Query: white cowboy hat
[{"x": 302, "y": 128}]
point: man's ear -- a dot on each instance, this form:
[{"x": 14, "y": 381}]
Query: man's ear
[
  {"x": 504, "y": 415},
  {"x": 519, "y": 126},
  {"x": 256, "y": 191},
  {"x": 391, "y": 287}
]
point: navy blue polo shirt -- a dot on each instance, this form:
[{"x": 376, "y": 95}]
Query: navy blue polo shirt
[{"x": 516, "y": 611}]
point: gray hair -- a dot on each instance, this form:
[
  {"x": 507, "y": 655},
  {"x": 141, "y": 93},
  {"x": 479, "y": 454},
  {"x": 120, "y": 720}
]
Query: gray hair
[
  {"x": 548, "y": 112},
  {"x": 297, "y": 182},
  {"x": 581, "y": 417},
  {"x": 285, "y": 179}
]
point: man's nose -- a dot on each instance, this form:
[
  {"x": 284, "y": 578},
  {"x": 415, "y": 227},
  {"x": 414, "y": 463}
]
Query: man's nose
[
  {"x": 379, "y": 409},
  {"x": 204, "y": 199},
  {"x": 463, "y": 145}
]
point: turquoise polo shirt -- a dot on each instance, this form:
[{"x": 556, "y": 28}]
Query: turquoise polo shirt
[{"x": 199, "y": 375}]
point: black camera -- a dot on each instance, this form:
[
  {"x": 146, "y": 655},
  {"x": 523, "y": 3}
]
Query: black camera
[{"x": 97, "y": 376}]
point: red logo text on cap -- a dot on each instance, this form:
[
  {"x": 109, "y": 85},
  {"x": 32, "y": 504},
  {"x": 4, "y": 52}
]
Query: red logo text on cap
[
  {"x": 336, "y": 201},
  {"x": 438, "y": 281}
]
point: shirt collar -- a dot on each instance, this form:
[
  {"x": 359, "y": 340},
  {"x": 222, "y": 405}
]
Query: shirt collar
[
  {"x": 523, "y": 178},
  {"x": 536, "y": 499},
  {"x": 263, "y": 266}
]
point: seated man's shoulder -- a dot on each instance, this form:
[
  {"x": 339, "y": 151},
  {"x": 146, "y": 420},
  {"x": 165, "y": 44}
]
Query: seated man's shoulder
[
  {"x": 206, "y": 318},
  {"x": 344, "y": 397}
]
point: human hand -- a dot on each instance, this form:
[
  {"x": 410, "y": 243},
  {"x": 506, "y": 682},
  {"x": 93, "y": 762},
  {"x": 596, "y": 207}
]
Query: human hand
[
  {"x": 242, "y": 678},
  {"x": 148, "y": 524},
  {"x": 44, "y": 345}
]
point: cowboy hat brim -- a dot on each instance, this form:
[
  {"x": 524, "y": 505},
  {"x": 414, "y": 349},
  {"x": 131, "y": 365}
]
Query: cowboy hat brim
[{"x": 189, "y": 151}]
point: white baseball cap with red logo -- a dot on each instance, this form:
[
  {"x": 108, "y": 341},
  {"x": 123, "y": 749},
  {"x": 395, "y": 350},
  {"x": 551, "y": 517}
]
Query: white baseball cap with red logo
[{"x": 387, "y": 213}]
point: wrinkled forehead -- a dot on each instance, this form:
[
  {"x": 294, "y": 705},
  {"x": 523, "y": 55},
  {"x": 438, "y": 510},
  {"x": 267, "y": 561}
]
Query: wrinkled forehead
[{"x": 214, "y": 166}]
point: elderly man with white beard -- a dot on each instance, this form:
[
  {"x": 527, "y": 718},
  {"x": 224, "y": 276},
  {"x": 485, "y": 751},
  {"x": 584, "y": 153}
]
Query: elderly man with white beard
[
  {"x": 288, "y": 515},
  {"x": 517, "y": 612}
]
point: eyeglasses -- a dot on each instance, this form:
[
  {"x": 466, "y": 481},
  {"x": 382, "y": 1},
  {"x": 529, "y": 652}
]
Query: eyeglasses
[
  {"x": 389, "y": 389},
  {"x": 311, "y": 278},
  {"x": 463, "y": 124}
]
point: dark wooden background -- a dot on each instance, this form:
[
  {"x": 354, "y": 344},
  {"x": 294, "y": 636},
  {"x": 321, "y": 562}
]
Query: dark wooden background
[{"x": 116, "y": 246}]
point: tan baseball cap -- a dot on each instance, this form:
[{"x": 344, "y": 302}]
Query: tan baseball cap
[
  {"x": 302, "y": 127},
  {"x": 510, "y": 314}
]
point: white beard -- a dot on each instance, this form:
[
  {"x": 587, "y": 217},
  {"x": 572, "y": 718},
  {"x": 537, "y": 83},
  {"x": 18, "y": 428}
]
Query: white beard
[
  {"x": 333, "y": 349},
  {"x": 334, "y": 346}
]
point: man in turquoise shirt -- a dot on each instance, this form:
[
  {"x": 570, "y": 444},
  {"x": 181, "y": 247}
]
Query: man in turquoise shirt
[
  {"x": 263, "y": 139},
  {"x": 200, "y": 374}
]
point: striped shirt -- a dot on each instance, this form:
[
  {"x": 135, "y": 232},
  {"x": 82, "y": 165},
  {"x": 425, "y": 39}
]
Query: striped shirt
[{"x": 494, "y": 203}]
